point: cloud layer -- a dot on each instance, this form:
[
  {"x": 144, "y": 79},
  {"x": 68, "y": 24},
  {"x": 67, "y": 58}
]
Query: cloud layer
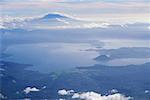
[
  {"x": 92, "y": 95},
  {"x": 129, "y": 10},
  {"x": 96, "y": 96}
]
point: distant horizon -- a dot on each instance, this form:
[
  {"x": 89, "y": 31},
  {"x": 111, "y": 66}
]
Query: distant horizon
[{"x": 95, "y": 10}]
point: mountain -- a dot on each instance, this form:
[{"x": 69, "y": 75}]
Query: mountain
[
  {"x": 51, "y": 21},
  {"x": 48, "y": 21},
  {"x": 52, "y": 16}
]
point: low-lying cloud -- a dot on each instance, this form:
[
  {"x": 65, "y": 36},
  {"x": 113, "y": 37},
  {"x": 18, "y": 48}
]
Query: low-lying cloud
[
  {"x": 92, "y": 95},
  {"x": 65, "y": 92},
  {"x": 31, "y": 89}
]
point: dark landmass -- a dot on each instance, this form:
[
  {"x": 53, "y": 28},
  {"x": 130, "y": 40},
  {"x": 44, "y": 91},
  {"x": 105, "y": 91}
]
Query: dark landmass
[{"x": 130, "y": 80}]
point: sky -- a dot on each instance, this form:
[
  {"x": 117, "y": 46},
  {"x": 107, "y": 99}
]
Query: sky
[{"x": 116, "y": 10}]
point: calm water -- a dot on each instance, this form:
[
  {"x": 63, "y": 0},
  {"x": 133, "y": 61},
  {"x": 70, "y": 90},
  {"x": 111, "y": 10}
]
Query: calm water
[{"x": 48, "y": 57}]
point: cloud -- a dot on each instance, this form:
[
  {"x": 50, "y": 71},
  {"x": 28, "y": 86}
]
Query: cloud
[
  {"x": 114, "y": 91},
  {"x": 44, "y": 87},
  {"x": 91, "y": 10},
  {"x": 96, "y": 96},
  {"x": 95, "y": 25},
  {"x": 2, "y": 96},
  {"x": 61, "y": 20},
  {"x": 62, "y": 99},
  {"x": 146, "y": 91},
  {"x": 92, "y": 95},
  {"x": 72, "y": 26},
  {"x": 65, "y": 92},
  {"x": 30, "y": 89},
  {"x": 67, "y": 23}
]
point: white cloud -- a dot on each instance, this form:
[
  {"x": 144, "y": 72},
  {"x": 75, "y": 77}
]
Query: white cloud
[
  {"x": 100, "y": 10},
  {"x": 114, "y": 91},
  {"x": 13, "y": 22},
  {"x": 65, "y": 92},
  {"x": 93, "y": 95},
  {"x": 69, "y": 23},
  {"x": 30, "y": 89},
  {"x": 44, "y": 87},
  {"x": 146, "y": 91},
  {"x": 81, "y": 26},
  {"x": 95, "y": 25},
  {"x": 96, "y": 96},
  {"x": 2, "y": 96},
  {"x": 61, "y": 20},
  {"x": 62, "y": 99}
]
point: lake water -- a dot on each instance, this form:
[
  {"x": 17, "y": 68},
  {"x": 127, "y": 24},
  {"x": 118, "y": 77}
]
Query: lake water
[{"x": 49, "y": 57}]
